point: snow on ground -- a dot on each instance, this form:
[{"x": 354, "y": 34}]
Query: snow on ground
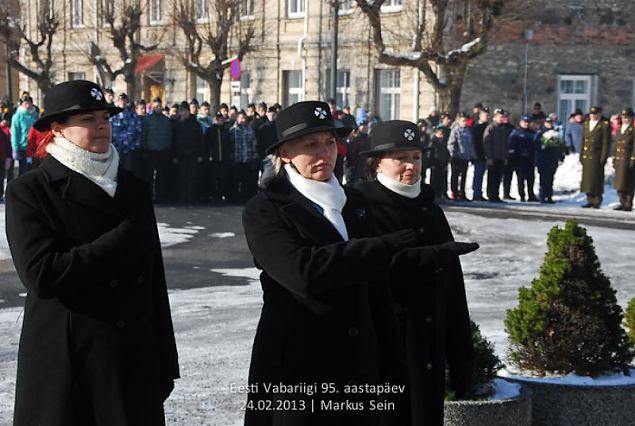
[
  {"x": 222, "y": 235},
  {"x": 173, "y": 236},
  {"x": 510, "y": 256},
  {"x": 617, "y": 379},
  {"x": 505, "y": 390},
  {"x": 4, "y": 245}
]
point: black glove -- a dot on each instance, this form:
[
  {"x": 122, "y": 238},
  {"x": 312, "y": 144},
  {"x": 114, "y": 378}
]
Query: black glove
[
  {"x": 399, "y": 240},
  {"x": 437, "y": 255}
]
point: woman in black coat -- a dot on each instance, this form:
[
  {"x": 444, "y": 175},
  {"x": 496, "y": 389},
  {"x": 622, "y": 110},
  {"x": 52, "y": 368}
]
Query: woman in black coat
[
  {"x": 327, "y": 328},
  {"x": 429, "y": 292},
  {"x": 97, "y": 343}
]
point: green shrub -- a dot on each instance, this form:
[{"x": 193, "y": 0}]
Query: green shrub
[
  {"x": 486, "y": 364},
  {"x": 629, "y": 319},
  {"x": 569, "y": 319}
]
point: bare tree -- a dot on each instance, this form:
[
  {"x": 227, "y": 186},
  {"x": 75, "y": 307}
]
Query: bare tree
[
  {"x": 13, "y": 34},
  {"x": 465, "y": 25},
  {"x": 123, "y": 30},
  {"x": 213, "y": 35}
]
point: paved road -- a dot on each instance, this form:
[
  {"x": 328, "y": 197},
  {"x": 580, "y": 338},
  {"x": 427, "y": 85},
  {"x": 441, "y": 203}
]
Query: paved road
[{"x": 188, "y": 265}]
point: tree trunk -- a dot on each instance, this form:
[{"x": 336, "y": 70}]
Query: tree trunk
[
  {"x": 131, "y": 85},
  {"x": 215, "y": 84},
  {"x": 450, "y": 96}
]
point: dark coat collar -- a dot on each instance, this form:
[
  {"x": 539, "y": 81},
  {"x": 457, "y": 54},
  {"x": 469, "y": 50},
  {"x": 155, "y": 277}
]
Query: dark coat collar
[{"x": 79, "y": 189}]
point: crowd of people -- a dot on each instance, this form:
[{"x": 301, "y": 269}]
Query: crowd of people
[{"x": 192, "y": 152}]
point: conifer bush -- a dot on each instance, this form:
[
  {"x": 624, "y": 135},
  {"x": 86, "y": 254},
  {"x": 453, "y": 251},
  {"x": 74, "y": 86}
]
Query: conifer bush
[
  {"x": 630, "y": 320},
  {"x": 569, "y": 319},
  {"x": 486, "y": 364}
]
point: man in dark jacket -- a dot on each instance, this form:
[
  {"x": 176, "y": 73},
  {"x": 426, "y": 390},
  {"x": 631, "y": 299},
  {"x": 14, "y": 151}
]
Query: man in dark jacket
[
  {"x": 217, "y": 162},
  {"x": 126, "y": 135},
  {"x": 438, "y": 160},
  {"x": 520, "y": 149},
  {"x": 478, "y": 131},
  {"x": 243, "y": 139},
  {"x": 495, "y": 149},
  {"x": 187, "y": 150},
  {"x": 596, "y": 145},
  {"x": 157, "y": 141},
  {"x": 549, "y": 152}
]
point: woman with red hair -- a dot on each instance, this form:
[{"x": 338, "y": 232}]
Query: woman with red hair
[{"x": 97, "y": 343}]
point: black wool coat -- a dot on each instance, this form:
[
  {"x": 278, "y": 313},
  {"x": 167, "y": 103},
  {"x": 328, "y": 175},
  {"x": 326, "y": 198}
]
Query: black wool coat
[
  {"x": 327, "y": 316},
  {"x": 97, "y": 343},
  {"x": 430, "y": 302}
]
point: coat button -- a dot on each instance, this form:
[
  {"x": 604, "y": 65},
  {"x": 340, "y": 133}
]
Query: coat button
[
  {"x": 421, "y": 230},
  {"x": 353, "y": 332},
  {"x": 439, "y": 270},
  {"x": 140, "y": 279},
  {"x": 424, "y": 209},
  {"x": 120, "y": 324},
  {"x": 429, "y": 366},
  {"x": 428, "y": 319},
  {"x": 113, "y": 284}
]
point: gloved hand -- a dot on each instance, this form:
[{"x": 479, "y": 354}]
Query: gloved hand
[
  {"x": 399, "y": 240},
  {"x": 436, "y": 255}
]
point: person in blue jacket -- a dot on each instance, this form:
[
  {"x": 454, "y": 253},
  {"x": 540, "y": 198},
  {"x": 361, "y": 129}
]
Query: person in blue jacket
[
  {"x": 548, "y": 154},
  {"x": 520, "y": 146}
]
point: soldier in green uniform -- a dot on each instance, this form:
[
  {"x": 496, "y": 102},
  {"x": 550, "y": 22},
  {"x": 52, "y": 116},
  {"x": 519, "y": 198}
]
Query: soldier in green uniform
[
  {"x": 595, "y": 151},
  {"x": 624, "y": 161}
]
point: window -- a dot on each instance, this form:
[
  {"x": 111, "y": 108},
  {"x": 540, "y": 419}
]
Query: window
[
  {"x": 343, "y": 88},
  {"x": 294, "y": 87},
  {"x": 392, "y": 6},
  {"x": 77, "y": 76},
  {"x": 47, "y": 8},
  {"x": 574, "y": 91},
  {"x": 246, "y": 9},
  {"x": 202, "y": 90},
  {"x": 245, "y": 89},
  {"x": 297, "y": 8},
  {"x": 201, "y": 12},
  {"x": 77, "y": 13},
  {"x": 107, "y": 8},
  {"x": 155, "y": 12},
  {"x": 346, "y": 7},
  {"x": 388, "y": 91}
]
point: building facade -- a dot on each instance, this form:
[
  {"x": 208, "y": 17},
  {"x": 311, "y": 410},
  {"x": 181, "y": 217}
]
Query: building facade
[{"x": 573, "y": 54}]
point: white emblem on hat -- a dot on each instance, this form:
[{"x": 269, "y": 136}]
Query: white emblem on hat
[
  {"x": 320, "y": 113},
  {"x": 409, "y": 134},
  {"x": 96, "y": 93}
]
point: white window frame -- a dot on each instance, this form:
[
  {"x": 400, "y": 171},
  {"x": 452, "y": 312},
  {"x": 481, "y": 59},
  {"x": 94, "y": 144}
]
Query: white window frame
[
  {"x": 392, "y": 6},
  {"x": 293, "y": 91},
  {"x": 246, "y": 10},
  {"x": 155, "y": 11},
  {"x": 77, "y": 5},
  {"x": 202, "y": 90},
  {"x": 573, "y": 97},
  {"x": 296, "y": 8},
  {"x": 201, "y": 11},
  {"x": 76, "y": 75},
  {"x": 342, "y": 89},
  {"x": 393, "y": 91},
  {"x": 105, "y": 5}
]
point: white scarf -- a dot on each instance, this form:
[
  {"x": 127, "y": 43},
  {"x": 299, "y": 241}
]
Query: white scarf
[
  {"x": 100, "y": 168},
  {"x": 592, "y": 124},
  {"x": 408, "y": 191},
  {"x": 328, "y": 195},
  {"x": 625, "y": 128}
]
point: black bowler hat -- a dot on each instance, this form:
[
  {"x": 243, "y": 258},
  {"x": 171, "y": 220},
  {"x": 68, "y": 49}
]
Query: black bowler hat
[
  {"x": 393, "y": 135},
  {"x": 627, "y": 112},
  {"x": 70, "y": 98},
  {"x": 305, "y": 118}
]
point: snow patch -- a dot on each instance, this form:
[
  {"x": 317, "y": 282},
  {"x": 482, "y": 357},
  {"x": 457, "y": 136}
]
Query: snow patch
[
  {"x": 253, "y": 274},
  {"x": 615, "y": 379},
  {"x": 222, "y": 234},
  {"x": 172, "y": 236},
  {"x": 505, "y": 390}
]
